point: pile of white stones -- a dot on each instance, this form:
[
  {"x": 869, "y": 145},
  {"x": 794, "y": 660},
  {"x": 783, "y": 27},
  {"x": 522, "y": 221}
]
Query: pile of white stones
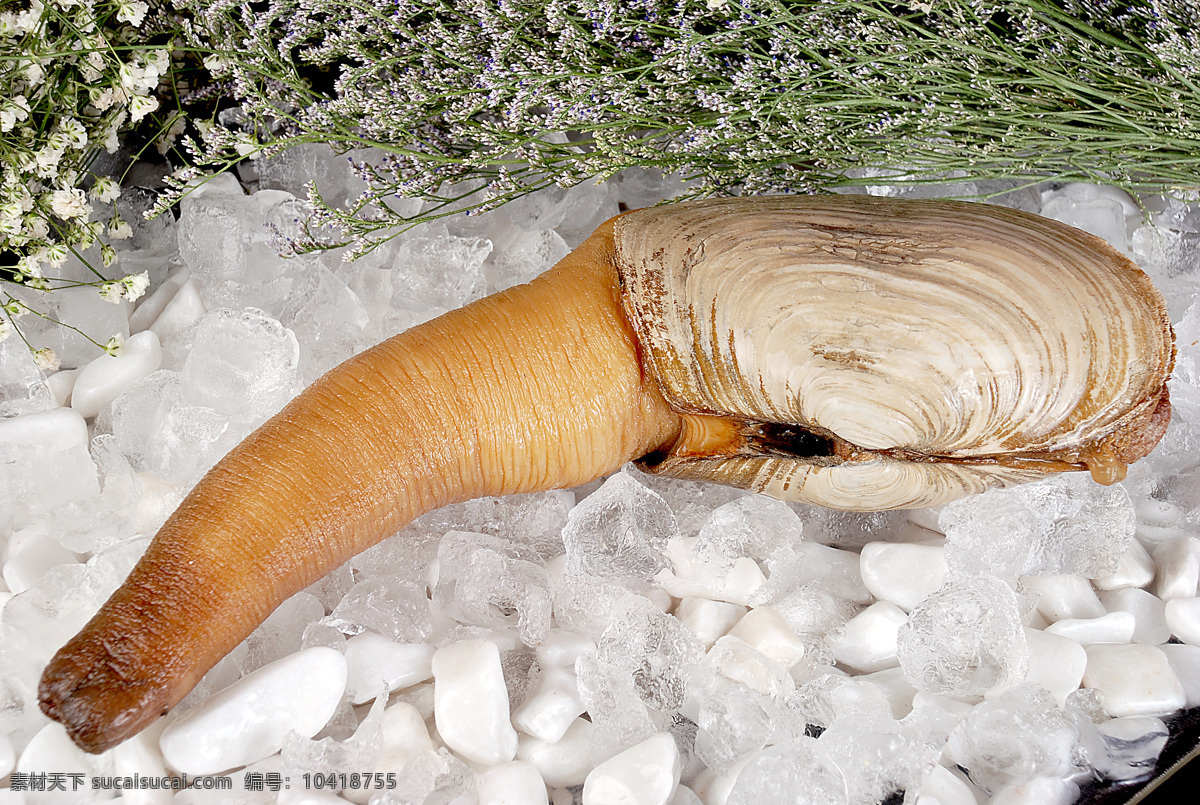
[{"x": 638, "y": 640}]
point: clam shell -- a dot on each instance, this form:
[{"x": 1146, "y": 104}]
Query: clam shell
[{"x": 873, "y": 353}]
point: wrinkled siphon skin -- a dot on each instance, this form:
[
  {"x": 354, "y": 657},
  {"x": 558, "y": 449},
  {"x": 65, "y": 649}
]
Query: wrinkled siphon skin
[{"x": 546, "y": 385}]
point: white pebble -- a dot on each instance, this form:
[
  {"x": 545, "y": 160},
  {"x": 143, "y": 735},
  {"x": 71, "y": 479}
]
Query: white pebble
[
  {"x": 1183, "y": 619},
  {"x": 373, "y": 660},
  {"x": 1038, "y": 791},
  {"x": 1185, "y": 662},
  {"x": 1136, "y": 680},
  {"x": 1148, "y": 613},
  {"x": 1136, "y": 569},
  {"x": 1177, "y": 568},
  {"x": 150, "y": 307},
  {"x": 512, "y": 783},
  {"x": 470, "y": 702},
  {"x": 8, "y": 757},
  {"x": 29, "y": 558},
  {"x": 565, "y": 763},
  {"x": 646, "y": 774},
  {"x": 834, "y": 570},
  {"x": 709, "y": 619},
  {"x": 1056, "y": 663},
  {"x": 690, "y": 577},
  {"x": 552, "y": 707},
  {"x": 62, "y": 384},
  {"x": 895, "y": 686},
  {"x": 51, "y": 750},
  {"x": 105, "y": 378},
  {"x": 1158, "y": 512},
  {"x": 903, "y": 573},
  {"x": 185, "y": 309},
  {"x": 944, "y": 787},
  {"x": 868, "y": 641},
  {"x": 766, "y": 630},
  {"x": 1115, "y": 627},
  {"x": 404, "y": 736},
  {"x": 140, "y": 755},
  {"x": 1064, "y": 596},
  {"x": 250, "y": 719},
  {"x": 562, "y": 648},
  {"x": 58, "y": 429}
]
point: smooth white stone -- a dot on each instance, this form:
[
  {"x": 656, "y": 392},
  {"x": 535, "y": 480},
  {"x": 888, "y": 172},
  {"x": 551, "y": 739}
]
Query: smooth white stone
[
  {"x": 1153, "y": 535},
  {"x": 685, "y": 796},
  {"x": 1115, "y": 627},
  {"x": 54, "y": 430},
  {"x": 742, "y": 663},
  {"x": 8, "y": 756},
  {"x": 185, "y": 309},
  {"x": 1185, "y": 662},
  {"x": 512, "y": 783},
  {"x": 646, "y": 774},
  {"x": 470, "y": 702},
  {"x": 1158, "y": 512},
  {"x": 373, "y": 660},
  {"x": 562, "y": 648},
  {"x": 689, "y": 577},
  {"x": 552, "y": 707},
  {"x": 140, "y": 755},
  {"x": 250, "y": 719},
  {"x": 1038, "y": 791},
  {"x": 868, "y": 641},
  {"x": 62, "y": 384},
  {"x": 903, "y": 573},
  {"x": 660, "y": 598},
  {"x": 33, "y": 558},
  {"x": 1056, "y": 663},
  {"x": 1136, "y": 680},
  {"x": 1136, "y": 569},
  {"x": 709, "y": 619},
  {"x": 895, "y": 686},
  {"x": 713, "y": 788},
  {"x": 1149, "y": 614},
  {"x": 768, "y": 632},
  {"x": 153, "y": 305},
  {"x": 51, "y": 750},
  {"x": 944, "y": 787},
  {"x": 106, "y": 377},
  {"x": 1183, "y": 619},
  {"x": 1064, "y": 596},
  {"x": 404, "y": 736},
  {"x": 835, "y": 570},
  {"x": 565, "y": 763},
  {"x": 1177, "y": 568}
]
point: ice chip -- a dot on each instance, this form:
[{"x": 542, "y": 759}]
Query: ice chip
[
  {"x": 734, "y": 720},
  {"x": 654, "y": 648},
  {"x": 440, "y": 270},
  {"x": 329, "y": 323},
  {"x": 1065, "y": 524},
  {"x": 526, "y": 255},
  {"x": 964, "y": 640},
  {"x": 23, "y": 387},
  {"x": 619, "y": 532},
  {"x": 488, "y": 581},
  {"x": 798, "y": 773},
  {"x": 848, "y": 529},
  {"x": 282, "y": 632},
  {"x": 755, "y": 527},
  {"x": 242, "y": 364},
  {"x": 393, "y": 607},
  {"x": 214, "y": 229},
  {"x": 1017, "y": 736}
]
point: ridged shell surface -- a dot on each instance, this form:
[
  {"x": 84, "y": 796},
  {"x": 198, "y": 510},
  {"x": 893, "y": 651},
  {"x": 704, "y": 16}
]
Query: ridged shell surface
[{"x": 938, "y": 338}]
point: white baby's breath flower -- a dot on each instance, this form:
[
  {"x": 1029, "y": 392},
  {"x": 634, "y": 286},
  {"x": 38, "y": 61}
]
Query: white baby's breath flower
[
  {"x": 45, "y": 359},
  {"x": 112, "y": 292},
  {"x": 119, "y": 228},
  {"x": 55, "y": 254},
  {"x": 11, "y": 210},
  {"x": 12, "y": 112},
  {"x": 105, "y": 189},
  {"x": 111, "y": 137},
  {"x": 72, "y": 132},
  {"x": 102, "y": 99},
  {"x": 140, "y": 106},
  {"x": 36, "y": 227},
  {"x": 34, "y": 74},
  {"x": 215, "y": 64},
  {"x": 46, "y": 162},
  {"x": 114, "y": 344},
  {"x": 132, "y": 12},
  {"x": 136, "y": 285},
  {"x": 70, "y": 204}
]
